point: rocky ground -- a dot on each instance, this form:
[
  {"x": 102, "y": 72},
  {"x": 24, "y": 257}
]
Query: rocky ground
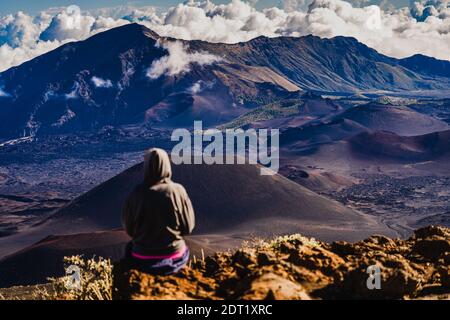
[
  {"x": 295, "y": 267},
  {"x": 402, "y": 203}
]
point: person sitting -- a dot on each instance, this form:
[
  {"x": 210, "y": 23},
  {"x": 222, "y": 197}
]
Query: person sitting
[{"x": 156, "y": 215}]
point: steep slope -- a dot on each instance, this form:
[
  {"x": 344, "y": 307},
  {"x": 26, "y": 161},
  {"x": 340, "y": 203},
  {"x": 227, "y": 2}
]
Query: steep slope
[
  {"x": 339, "y": 64},
  {"x": 102, "y": 81}
]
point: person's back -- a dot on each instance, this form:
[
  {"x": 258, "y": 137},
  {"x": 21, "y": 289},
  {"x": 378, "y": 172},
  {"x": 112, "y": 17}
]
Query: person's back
[{"x": 157, "y": 214}]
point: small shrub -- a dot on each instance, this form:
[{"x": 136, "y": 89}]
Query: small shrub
[
  {"x": 91, "y": 279},
  {"x": 275, "y": 243},
  {"x": 293, "y": 239}
]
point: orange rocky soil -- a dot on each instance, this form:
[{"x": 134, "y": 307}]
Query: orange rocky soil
[{"x": 295, "y": 267}]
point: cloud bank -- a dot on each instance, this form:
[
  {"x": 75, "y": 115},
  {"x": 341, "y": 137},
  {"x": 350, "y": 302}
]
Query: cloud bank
[{"x": 423, "y": 28}]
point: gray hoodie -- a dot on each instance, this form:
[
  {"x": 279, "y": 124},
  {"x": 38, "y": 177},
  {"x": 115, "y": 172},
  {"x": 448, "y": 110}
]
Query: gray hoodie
[{"x": 158, "y": 212}]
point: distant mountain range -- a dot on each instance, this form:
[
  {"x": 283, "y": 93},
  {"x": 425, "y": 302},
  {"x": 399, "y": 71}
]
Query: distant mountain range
[{"x": 85, "y": 85}]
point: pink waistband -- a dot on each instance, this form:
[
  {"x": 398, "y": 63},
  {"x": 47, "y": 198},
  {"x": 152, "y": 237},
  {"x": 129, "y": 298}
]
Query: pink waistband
[{"x": 174, "y": 255}]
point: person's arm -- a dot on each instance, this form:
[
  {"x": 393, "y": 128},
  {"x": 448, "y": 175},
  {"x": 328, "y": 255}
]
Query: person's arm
[{"x": 187, "y": 215}]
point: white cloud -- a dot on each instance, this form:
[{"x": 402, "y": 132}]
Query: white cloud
[
  {"x": 398, "y": 35},
  {"x": 421, "y": 10},
  {"x": 18, "y": 29},
  {"x": 199, "y": 86},
  {"x": 10, "y": 56},
  {"x": 423, "y": 28},
  {"x": 101, "y": 83},
  {"x": 196, "y": 88},
  {"x": 23, "y": 37},
  {"x": 178, "y": 60},
  {"x": 68, "y": 24},
  {"x": 148, "y": 14}
]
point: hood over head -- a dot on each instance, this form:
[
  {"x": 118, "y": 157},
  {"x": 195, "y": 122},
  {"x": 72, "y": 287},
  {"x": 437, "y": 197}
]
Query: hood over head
[{"x": 157, "y": 166}]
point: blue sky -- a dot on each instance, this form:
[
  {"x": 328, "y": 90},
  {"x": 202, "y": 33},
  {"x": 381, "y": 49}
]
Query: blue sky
[{"x": 34, "y": 6}]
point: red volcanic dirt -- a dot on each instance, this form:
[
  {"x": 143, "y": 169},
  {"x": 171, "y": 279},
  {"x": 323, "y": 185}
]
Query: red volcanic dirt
[{"x": 297, "y": 268}]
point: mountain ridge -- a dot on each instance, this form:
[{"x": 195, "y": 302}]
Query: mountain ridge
[{"x": 56, "y": 92}]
